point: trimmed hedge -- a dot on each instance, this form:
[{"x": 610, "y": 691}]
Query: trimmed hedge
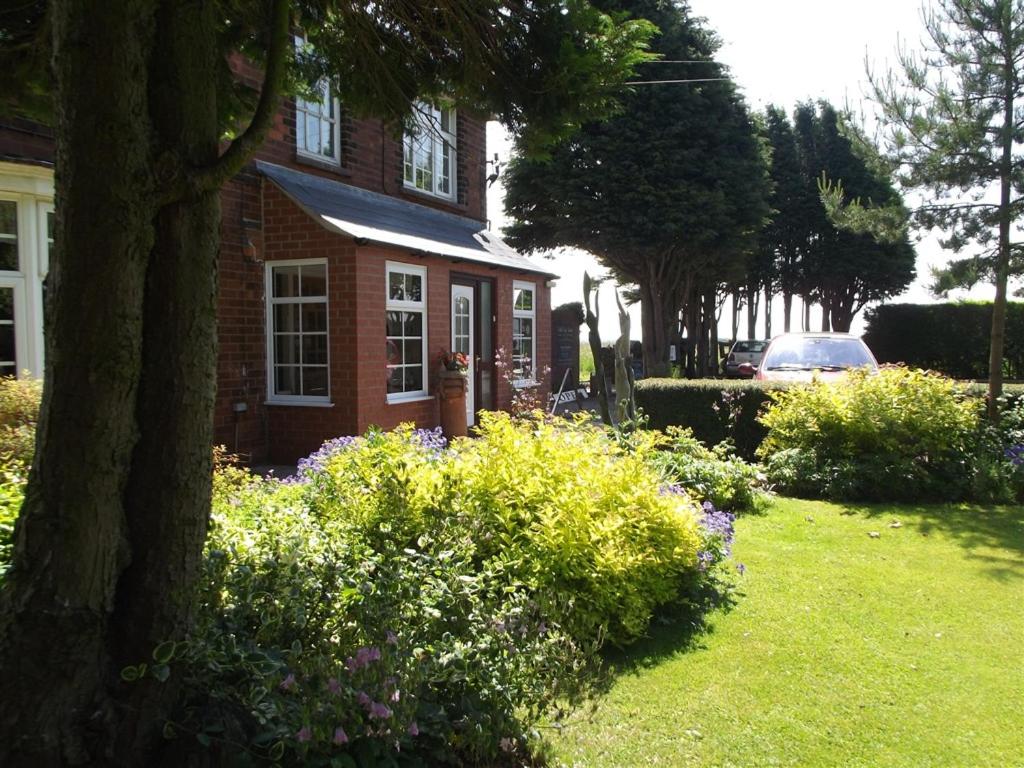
[
  {"x": 951, "y": 338},
  {"x": 715, "y": 409},
  {"x": 720, "y": 409}
]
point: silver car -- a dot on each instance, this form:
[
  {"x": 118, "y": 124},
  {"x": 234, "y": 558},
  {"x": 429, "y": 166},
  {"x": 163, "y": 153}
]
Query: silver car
[{"x": 748, "y": 352}]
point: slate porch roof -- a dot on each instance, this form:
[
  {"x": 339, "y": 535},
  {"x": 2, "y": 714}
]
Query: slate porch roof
[{"x": 379, "y": 218}]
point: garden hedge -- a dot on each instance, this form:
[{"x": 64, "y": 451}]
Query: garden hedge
[
  {"x": 951, "y": 338},
  {"x": 716, "y": 409}
]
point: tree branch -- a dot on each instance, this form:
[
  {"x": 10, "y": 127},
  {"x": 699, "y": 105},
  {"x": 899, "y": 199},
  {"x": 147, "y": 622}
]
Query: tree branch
[{"x": 241, "y": 149}]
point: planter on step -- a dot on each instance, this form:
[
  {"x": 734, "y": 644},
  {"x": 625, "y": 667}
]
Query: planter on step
[{"x": 451, "y": 391}]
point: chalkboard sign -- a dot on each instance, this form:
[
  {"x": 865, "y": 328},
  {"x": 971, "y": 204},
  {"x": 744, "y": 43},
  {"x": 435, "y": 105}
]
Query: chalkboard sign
[{"x": 565, "y": 349}]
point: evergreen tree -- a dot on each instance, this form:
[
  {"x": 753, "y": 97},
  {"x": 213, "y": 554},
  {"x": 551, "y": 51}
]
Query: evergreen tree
[
  {"x": 667, "y": 193},
  {"x": 953, "y": 118}
]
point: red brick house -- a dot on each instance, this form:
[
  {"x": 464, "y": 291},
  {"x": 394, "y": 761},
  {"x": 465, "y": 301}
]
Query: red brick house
[{"x": 350, "y": 259}]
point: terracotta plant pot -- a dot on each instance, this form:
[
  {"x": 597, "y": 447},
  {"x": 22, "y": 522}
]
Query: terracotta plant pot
[{"x": 451, "y": 390}]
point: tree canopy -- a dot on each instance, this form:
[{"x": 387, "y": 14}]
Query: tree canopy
[
  {"x": 952, "y": 119},
  {"x": 669, "y": 192}
]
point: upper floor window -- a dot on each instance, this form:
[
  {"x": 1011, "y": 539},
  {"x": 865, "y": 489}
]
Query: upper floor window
[
  {"x": 317, "y": 127},
  {"x": 406, "y": 319},
  {"x": 524, "y": 333},
  {"x": 429, "y": 151},
  {"x": 297, "y": 331}
]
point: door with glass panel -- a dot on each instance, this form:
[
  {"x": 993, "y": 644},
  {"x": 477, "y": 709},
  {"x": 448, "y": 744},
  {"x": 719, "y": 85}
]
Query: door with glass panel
[{"x": 463, "y": 340}]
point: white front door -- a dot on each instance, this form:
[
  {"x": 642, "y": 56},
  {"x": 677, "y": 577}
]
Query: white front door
[{"x": 462, "y": 339}]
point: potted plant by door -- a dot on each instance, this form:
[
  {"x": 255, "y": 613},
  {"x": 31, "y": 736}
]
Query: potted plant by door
[{"x": 451, "y": 390}]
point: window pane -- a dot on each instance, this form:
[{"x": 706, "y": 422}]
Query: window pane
[
  {"x": 413, "y": 323},
  {"x": 8, "y": 254},
  {"x": 6, "y": 304},
  {"x": 414, "y": 287},
  {"x": 286, "y": 282},
  {"x": 314, "y": 349},
  {"x": 286, "y": 380},
  {"x": 396, "y": 286},
  {"x": 314, "y": 317},
  {"x": 486, "y": 312},
  {"x": 413, "y": 351},
  {"x": 314, "y": 381},
  {"x": 7, "y": 354},
  {"x": 413, "y": 378},
  {"x": 286, "y": 318},
  {"x": 8, "y": 218},
  {"x": 395, "y": 380},
  {"x": 523, "y": 299},
  {"x": 314, "y": 280},
  {"x": 394, "y": 323},
  {"x": 286, "y": 349}
]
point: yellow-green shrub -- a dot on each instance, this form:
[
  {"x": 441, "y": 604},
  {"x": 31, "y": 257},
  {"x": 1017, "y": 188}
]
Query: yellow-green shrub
[
  {"x": 576, "y": 517},
  {"x": 898, "y": 435},
  {"x": 19, "y": 410}
]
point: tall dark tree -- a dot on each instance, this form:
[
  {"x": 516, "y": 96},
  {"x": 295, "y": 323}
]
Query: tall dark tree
[
  {"x": 845, "y": 268},
  {"x": 663, "y": 194},
  {"x": 954, "y": 117},
  {"x": 140, "y": 94}
]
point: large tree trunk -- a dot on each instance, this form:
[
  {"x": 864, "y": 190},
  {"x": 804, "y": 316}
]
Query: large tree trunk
[
  {"x": 787, "y": 310},
  {"x": 119, "y": 490},
  {"x": 826, "y": 312},
  {"x": 656, "y": 313},
  {"x": 753, "y": 297}
]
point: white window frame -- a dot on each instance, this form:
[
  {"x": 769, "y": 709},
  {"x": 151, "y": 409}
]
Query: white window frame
[
  {"x": 325, "y": 95},
  {"x": 272, "y": 397},
  {"x": 428, "y": 122},
  {"x": 530, "y": 314},
  {"x": 396, "y": 305}
]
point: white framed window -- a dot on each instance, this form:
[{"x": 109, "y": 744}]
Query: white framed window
[
  {"x": 429, "y": 151},
  {"x": 524, "y": 332},
  {"x": 317, "y": 124},
  {"x": 297, "y": 349},
  {"x": 406, "y": 317}
]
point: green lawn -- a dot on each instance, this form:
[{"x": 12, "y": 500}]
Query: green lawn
[{"x": 840, "y": 650}]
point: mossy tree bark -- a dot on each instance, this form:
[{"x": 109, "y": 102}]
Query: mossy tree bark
[{"x": 109, "y": 542}]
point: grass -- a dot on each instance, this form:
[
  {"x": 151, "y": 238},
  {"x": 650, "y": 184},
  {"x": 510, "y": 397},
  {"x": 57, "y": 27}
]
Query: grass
[{"x": 840, "y": 649}]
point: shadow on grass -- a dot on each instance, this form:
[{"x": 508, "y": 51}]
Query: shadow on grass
[
  {"x": 680, "y": 629},
  {"x": 981, "y": 530}
]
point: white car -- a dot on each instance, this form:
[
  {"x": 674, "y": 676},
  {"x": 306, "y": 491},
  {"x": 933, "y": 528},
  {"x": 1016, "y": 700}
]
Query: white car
[
  {"x": 744, "y": 352},
  {"x": 801, "y": 356}
]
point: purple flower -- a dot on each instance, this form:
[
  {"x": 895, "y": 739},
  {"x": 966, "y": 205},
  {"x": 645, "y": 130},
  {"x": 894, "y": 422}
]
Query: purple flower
[
  {"x": 305, "y": 734},
  {"x": 741, "y": 568},
  {"x": 333, "y": 686},
  {"x": 379, "y": 711},
  {"x": 413, "y": 729},
  {"x": 340, "y": 737},
  {"x": 288, "y": 683},
  {"x": 363, "y": 699}
]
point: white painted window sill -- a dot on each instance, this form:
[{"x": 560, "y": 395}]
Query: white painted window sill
[
  {"x": 417, "y": 399},
  {"x": 300, "y": 403}
]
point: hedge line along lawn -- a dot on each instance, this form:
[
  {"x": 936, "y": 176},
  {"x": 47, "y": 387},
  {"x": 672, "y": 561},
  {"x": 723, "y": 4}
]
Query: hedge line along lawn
[{"x": 840, "y": 649}]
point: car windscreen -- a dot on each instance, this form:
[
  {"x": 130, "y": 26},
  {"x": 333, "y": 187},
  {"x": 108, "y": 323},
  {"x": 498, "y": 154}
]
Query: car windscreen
[
  {"x": 803, "y": 352},
  {"x": 750, "y": 346}
]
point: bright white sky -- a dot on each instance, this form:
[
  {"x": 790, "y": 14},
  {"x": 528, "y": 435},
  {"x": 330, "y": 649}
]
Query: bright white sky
[{"x": 779, "y": 52}]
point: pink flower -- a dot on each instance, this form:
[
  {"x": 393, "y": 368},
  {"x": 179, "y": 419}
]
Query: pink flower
[
  {"x": 340, "y": 737},
  {"x": 288, "y": 683},
  {"x": 379, "y": 711},
  {"x": 305, "y": 734},
  {"x": 414, "y": 730},
  {"x": 363, "y": 699},
  {"x": 395, "y": 696},
  {"x": 333, "y": 686}
]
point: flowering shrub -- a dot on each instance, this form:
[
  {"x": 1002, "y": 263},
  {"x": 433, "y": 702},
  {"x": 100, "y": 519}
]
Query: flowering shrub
[
  {"x": 19, "y": 409},
  {"x": 400, "y": 598},
  {"x": 897, "y": 435},
  {"x": 712, "y": 474}
]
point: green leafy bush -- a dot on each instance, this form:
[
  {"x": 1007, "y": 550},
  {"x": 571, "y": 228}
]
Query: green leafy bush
[
  {"x": 897, "y": 435},
  {"x": 404, "y": 602},
  {"x": 716, "y": 410},
  {"x": 710, "y": 474},
  {"x": 19, "y": 410}
]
